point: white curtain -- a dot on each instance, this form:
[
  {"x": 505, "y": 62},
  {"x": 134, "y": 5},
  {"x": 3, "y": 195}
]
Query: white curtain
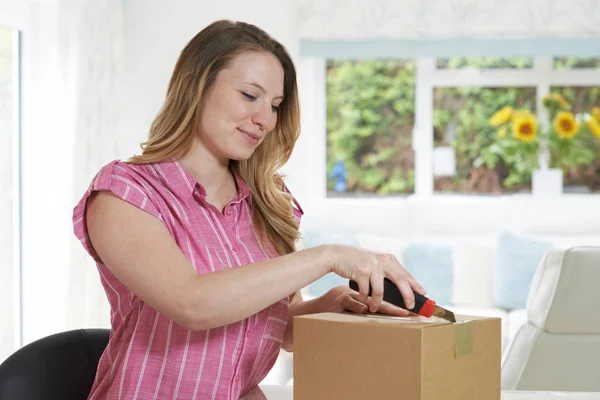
[
  {"x": 447, "y": 19},
  {"x": 91, "y": 46}
]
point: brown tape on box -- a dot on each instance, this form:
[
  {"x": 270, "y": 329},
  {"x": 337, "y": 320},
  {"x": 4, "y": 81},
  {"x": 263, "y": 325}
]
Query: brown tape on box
[{"x": 463, "y": 338}]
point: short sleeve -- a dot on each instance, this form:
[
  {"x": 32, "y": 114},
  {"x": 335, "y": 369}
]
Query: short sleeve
[{"x": 124, "y": 182}]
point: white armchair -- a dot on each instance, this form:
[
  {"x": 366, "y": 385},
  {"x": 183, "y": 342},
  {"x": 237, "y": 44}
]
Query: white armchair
[{"x": 558, "y": 349}]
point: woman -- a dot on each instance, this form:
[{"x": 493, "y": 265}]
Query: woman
[{"x": 194, "y": 239}]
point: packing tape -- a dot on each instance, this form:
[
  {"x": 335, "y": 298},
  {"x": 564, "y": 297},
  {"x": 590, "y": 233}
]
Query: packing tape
[{"x": 463, "y": 338}]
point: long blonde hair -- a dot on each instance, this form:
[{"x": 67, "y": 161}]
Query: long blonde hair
[{"x": 173, "y": 130}]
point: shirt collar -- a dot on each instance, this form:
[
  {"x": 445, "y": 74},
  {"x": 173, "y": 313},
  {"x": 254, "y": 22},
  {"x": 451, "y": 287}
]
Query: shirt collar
[{"x": 184, "y": 184}]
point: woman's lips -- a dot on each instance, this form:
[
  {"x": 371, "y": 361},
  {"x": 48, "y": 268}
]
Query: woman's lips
[{"x": 252, "y": 138}]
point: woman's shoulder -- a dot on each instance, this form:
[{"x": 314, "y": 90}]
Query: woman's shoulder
[
  {"x": 135, "y": 183},
  {"x": 124, "y": 173},
  {"x": 129, "y": 182}
]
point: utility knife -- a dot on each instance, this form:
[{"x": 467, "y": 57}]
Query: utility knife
[{"x": 423, "y": 305}]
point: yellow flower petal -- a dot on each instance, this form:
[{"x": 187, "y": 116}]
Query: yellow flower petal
[
  {"x": 594, "y": 126},
  {"x": 552, "y": 100},
  {"x": 566, "y": 125},
  {"x": 502, "y": 116},
  {"x": 525, "y": 127},
  {"x": 596, "y": 113}
]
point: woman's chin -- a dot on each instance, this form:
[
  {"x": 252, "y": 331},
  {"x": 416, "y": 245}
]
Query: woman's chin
[{"x": 241, "y": 154}]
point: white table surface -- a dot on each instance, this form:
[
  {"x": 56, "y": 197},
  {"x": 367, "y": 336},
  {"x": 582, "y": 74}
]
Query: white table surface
[{"x": 272, "y": 392}]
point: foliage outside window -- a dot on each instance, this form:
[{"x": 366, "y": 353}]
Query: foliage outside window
[
  {"x": 370, "y": 118},
  {"x": 572, "y": 137},
  {"x": 460, "y": 121},
  {"x": 484, "y": 62},
  {"x": 576, "y": 63}
]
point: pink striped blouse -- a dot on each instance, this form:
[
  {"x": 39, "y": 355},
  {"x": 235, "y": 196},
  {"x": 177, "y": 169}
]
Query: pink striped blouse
[{"x": 152, "y": 357}]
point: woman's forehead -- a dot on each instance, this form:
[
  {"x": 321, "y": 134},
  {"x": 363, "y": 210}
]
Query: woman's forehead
[{"x": 259, "y": 69}]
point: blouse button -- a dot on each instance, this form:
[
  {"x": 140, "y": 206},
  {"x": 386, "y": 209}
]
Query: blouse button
[
  {"x": 228, "y": 212},
  {"x": 235, "y": 247}
]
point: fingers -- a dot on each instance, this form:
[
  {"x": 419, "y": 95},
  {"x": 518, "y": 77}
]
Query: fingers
[
  {"x": 376, "y": 290},
  {"x": 364, "y": 285},
  {"x": 415, "y": 285},
  {"x": 390, "y": 309},
  {"x": 387, "y": 308},
  {"x": 405, "y": 275},
  {"x": 405, "y": 282},
  {"x": 349, "y": 303},
  {"x": 407, "y": 294}
]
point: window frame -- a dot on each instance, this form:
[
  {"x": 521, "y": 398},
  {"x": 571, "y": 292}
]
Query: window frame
[
  {"x": 15, "y": 16},
  {"x": 542, "y": 76}
]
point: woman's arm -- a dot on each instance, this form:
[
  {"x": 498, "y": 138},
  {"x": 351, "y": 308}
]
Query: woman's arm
[{"x": 139, "y": 250}]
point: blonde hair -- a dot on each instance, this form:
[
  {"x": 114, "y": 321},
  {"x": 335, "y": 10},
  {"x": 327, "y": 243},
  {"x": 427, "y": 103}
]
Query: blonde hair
[{"x": 173, "y": 130}]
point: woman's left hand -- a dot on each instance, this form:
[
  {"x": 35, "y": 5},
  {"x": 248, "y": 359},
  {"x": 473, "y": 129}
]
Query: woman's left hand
[{"x": 342, "y": 298}]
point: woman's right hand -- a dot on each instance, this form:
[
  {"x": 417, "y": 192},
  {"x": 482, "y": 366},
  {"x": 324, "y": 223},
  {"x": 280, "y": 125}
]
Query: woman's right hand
[{"x": 368, "y": 269}]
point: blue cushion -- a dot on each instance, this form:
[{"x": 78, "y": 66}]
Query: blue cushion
[
  {"x": 431, "y": 265},
  {"x": 314, "y": 239},
  {"x": 516, "y": 261}
]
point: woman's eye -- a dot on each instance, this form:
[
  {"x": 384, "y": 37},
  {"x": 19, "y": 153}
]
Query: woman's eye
[
  {"x": 248, "y": 96},
  {"x": 275, "y": 108}
]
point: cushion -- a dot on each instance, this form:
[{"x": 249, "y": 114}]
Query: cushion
[
  {"x": 431, "y": 265},
  {"x": 472, "y": 265},
  {"x": 564, "y": 295},
  {"x": 537, "y": 360},
  {"x": 517, "y": 258}
]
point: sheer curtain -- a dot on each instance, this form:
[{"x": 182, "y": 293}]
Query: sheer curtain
[
  {"x": 447, "y": 19},
  {"x": 92, "y": 54}
]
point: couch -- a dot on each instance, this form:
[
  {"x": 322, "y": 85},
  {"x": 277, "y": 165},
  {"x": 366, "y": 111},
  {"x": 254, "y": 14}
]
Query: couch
[{"x": 558, "y": 347}]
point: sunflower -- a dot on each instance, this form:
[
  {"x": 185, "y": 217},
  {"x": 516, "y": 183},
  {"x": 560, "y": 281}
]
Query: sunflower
[
  {"x": 555, "y": 99},
  {"x": 501, "y": 116},
  {"x": 565, "y": 125},
  {"x": 596, "y": 113},
  {"x": 524, "y": 126},
  {"x": 561, "y": 100},
  {"x": 594, "y": 125}
]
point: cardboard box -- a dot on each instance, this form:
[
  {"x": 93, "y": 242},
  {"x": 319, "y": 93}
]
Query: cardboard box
[{"x": 348, "y": 356}]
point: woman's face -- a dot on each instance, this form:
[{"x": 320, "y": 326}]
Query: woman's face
[{"x": 240, "y": 109}]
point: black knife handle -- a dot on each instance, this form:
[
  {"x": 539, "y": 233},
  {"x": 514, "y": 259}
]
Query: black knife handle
[{"x": 392, "y": 295}]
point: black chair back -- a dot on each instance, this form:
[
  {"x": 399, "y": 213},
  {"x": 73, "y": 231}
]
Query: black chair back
[{"x": 58, "y": 367}]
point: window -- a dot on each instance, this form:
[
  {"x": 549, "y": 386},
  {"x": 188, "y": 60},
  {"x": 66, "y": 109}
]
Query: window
[
  {"x": 370, "y": 118},
  {"x": 464, "y": 155},
  {"x": 579, "y": 156},
  {"x": 373, "y": 109},
  {"x": 9, "y": 199}
]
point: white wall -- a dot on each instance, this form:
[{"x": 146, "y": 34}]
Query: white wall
[
  {"x": 46, "y": 179},
  {"x": 157, "y": 31}
]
